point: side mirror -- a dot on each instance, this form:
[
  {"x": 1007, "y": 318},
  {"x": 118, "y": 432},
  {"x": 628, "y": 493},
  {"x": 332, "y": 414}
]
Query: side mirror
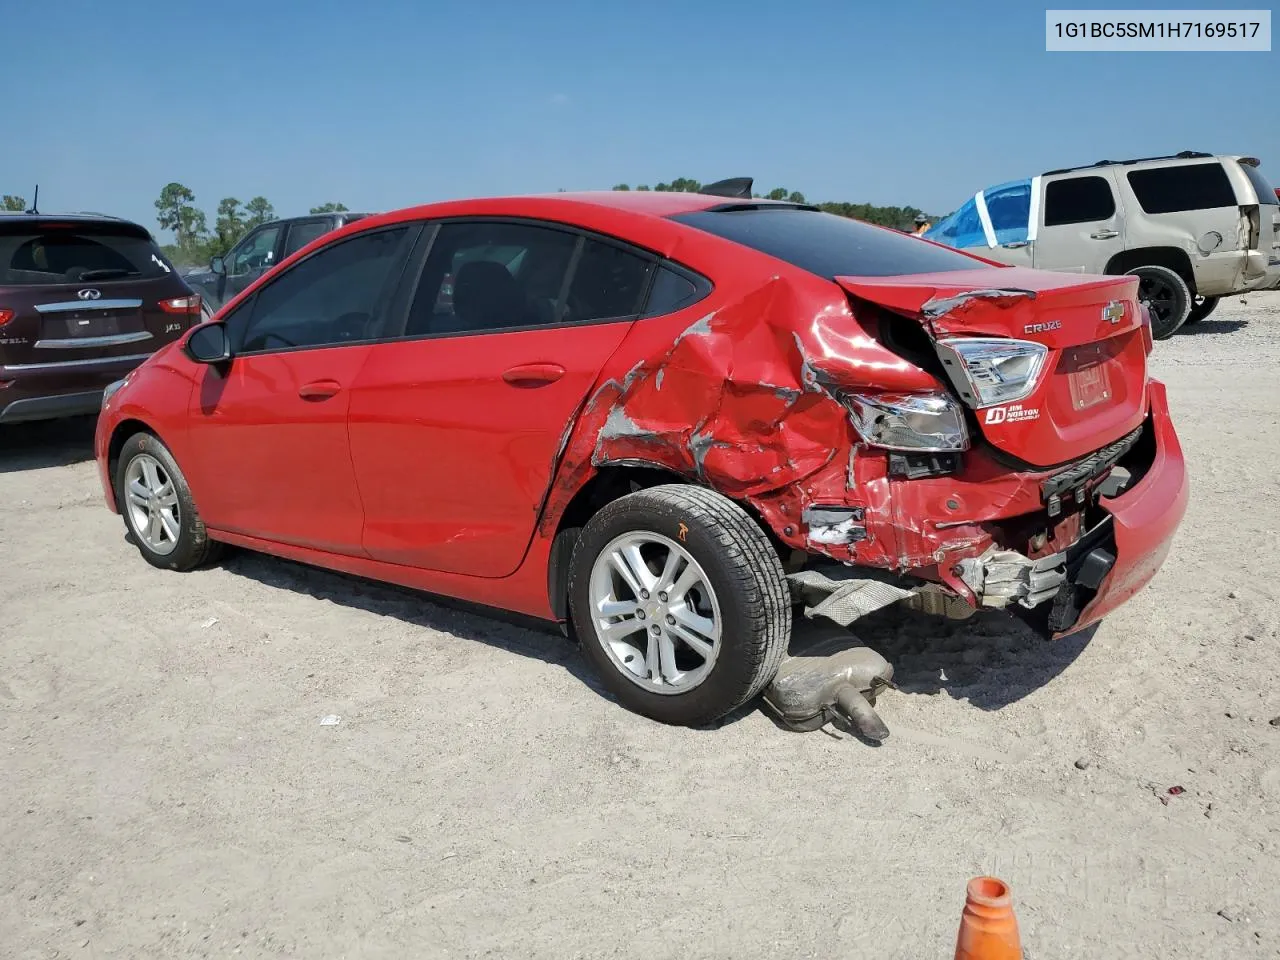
[
  {"x": 217, "y": 266},
  {"x": 209, "y": 344}
]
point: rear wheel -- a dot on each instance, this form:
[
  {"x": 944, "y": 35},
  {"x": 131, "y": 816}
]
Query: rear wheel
[
  {"x": 155, "y": 501},
  {"x": 1201, "y": 307},
  {"x": 1167, "y": 296},
  {"x": 680, "y": 603}
]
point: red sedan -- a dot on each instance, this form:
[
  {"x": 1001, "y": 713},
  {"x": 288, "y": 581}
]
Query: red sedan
[{"x": 666, "y": 419}]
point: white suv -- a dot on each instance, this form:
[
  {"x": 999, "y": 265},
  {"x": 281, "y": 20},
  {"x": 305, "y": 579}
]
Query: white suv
[{"x": 1193, "y": 227}]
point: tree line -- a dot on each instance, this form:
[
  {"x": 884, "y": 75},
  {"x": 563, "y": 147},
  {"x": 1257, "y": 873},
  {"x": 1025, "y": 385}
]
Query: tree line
[
  {"x": 900, "y": 218},
  {"x": 194, "y": 242}
]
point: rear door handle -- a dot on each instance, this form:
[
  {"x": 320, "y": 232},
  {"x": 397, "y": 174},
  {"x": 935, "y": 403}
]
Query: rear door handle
[
  {"x": 319, "y": 389},
  {"x": 533, "y": 374},
  {"x": 1015, "y": 244},
  {"x": 1105, "y": 234}
]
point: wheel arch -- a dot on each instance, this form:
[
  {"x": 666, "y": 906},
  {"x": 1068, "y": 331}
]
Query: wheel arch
[
  {"x": 606, "y": 484},
  {"x": 122, "y": 431},
  {"x": 1174, "y": 258}
]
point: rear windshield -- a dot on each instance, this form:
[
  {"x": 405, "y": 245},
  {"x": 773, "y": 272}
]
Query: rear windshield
[
  {"x": 1265, "y": 191},
  {"x": 826, "y": 244},
  {"x": 34, "y": 252}
]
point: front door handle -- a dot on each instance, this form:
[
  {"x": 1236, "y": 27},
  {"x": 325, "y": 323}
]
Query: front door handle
[
  {"x": 533, "y": 374},
  {"x": 1105, "y": 234},
  {"x": 319, "y": 389},
  {"x": 1015, "y": 244}
]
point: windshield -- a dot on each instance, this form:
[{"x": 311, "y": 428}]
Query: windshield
[
  {"x": 35, "y": 252},
  {"x": 826, "y": 244}
]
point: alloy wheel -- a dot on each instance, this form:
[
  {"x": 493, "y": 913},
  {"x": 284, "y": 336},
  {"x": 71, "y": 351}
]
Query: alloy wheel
[
  {"x": 152, "y": 500},
  {"x": 655, "y": 613}
]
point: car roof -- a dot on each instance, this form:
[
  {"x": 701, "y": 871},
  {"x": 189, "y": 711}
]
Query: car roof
[
  {"x": 65, "y": 217},
  {"x": 1137, "y": 161}
]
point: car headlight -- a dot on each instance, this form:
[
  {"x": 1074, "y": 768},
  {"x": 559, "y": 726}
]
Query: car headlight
[
  {"x": 987, "y": 372},
  {"x": 111, "y": 389},
  {"x": 919, "y": 422}
]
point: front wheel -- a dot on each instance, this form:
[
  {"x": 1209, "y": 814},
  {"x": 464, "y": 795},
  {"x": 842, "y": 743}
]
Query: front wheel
[
  {"x": 680, "y": 603},
  {"x": 1167, "y": 296},
  {"x": 155, "y": 501},
  {"x": 1201, "y": 307}
]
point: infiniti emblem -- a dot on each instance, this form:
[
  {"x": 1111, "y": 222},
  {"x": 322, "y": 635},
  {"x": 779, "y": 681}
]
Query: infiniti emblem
[{"x": 88, "y": 293}]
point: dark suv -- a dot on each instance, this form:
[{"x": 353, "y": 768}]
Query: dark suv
[
  {"x": 83, "y": 300},
  {"x": 258, "y": 251}
]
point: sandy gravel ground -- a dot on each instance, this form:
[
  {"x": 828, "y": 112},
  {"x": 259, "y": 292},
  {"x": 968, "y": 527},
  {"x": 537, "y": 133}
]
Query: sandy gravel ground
[{"x": 167, "y": 789}]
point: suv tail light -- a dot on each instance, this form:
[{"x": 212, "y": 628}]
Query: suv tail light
[
  {"x": 1147, "y": 340},
  {"x": 187, "y": 305},
  {"x": 5, "y": 316}
]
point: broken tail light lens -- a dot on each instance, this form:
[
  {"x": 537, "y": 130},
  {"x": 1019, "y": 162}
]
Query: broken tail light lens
[
  {"x": 5, "y": 316},
  {"x": 921, "y": 422},
  {"x": 988, "y": 371}
]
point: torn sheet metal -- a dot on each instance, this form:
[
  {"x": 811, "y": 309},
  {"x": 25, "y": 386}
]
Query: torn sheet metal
[
  {"x": 1000, "y": 577},
  {"x": 841, "y": 594}
]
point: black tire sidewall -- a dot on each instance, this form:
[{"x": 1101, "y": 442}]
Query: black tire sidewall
[
  {"x": 1199, "y": 312},
  {"x": 1182, "y": 293},
  {"x": 192, "y": 548},
  {"x": 731, "y": 679}
]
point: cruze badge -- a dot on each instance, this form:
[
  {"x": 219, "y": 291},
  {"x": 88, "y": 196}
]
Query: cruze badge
[
  {"x": 1113, "y": 312},
  {"x": 1042, "y": 327}
]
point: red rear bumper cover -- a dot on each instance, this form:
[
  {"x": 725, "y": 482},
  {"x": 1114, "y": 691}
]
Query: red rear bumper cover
[{"x": 1145, "y": 518}]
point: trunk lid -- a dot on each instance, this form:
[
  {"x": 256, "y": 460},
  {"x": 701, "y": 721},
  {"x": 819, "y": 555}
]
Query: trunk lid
[{"x": 1091, "y": 386}]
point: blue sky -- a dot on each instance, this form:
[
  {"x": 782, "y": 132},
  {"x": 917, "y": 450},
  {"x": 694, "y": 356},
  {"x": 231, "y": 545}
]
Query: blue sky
[{"x": 386, "y": 103}]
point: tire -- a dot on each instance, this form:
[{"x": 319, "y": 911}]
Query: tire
[
  {"x": 1201, "y": 307},
  {"x": 1167, "y": 296},
  {"x": 178, "y": 541},
  {"x": 740, "y": 589}
]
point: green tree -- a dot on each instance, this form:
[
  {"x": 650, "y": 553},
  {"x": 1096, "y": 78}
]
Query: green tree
[
  {"x": 330, "y": 207},
  {"x": 795, "y": 196},
  {"x": 643, "y": 187},
  {"x": 621, "y": 186},
  {"x": 260, "y": 211},
  {"x": 176, "y": 211},
  {"x": 13, "y": 204},
  {"x": 777, "y": 193},
  {"x": 228, "y": 227}
]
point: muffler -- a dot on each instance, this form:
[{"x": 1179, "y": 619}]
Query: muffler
[{"x": 827, "y": 680}]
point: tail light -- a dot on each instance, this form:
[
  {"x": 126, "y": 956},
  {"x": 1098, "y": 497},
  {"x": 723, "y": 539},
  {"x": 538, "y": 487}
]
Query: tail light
[
  {"x": 1147, "y": 340},
  {"x": 915, "y": 422},
  {"x": 184, "y": 305},
  {"x": 5, "y": 316},
  {"x": 987, "y": 371}
]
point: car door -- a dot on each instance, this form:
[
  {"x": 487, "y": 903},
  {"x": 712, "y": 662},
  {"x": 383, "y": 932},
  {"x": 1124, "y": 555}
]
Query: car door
[
  {"x": 271, "y": 425},
  {"x": 455, "y": 428},
  {"x": 1081, "y": 225},
  {"x": 249, "y": 259}
]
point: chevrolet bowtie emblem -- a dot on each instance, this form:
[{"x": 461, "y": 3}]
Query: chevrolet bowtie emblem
[{"x": 1113, "y": 312}]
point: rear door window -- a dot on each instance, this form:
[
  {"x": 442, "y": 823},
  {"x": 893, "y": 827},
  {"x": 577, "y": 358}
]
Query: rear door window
[
  {"x": 302, "y": 233},
  {"x": 608, "y": 284},
  {"x": 1078, "y": 200},
  {"x": 674, "y": 290},
  {"x": 486, "y": 276},
  {"x": 1195, "y": 186},
  {"x": 825, "y": 244},
  {"x": 69, "y": 252}
]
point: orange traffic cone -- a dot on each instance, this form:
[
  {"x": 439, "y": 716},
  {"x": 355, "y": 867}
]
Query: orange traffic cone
[{"x": 988, "y": 928}]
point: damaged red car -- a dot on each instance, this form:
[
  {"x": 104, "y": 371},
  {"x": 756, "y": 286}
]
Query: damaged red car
[{"x": 670, "y": 421}]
